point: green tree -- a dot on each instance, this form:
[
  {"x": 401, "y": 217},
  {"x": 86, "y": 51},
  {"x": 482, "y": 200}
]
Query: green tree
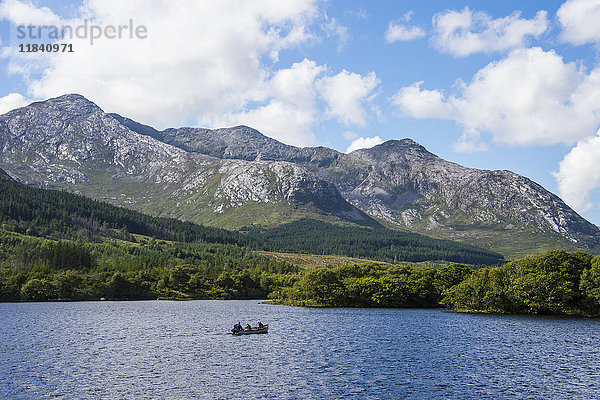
[
  {"x": 450, "y": 275},
  {"x": 180, "y": 277},
  {"x": 67, "y": 284},
  {"x": 590, "y": 282},
  {"x": 469, "y": 294},
  {"x": 323, "y": 286},
  {"x": 38, "y": 290},
  {"x": 119, "y": 287},
  {"x": 545, "y": 292}
]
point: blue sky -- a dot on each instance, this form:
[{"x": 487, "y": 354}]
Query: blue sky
[{"x": 496, "y": 85}]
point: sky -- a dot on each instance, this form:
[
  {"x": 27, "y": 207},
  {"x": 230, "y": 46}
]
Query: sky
[{"x": 495, "y": 85}]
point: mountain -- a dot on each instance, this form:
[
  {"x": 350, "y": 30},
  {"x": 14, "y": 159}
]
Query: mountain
[
  {"x": 403, "y": 185},
  {"x": 70, "y": 143},
  {"x": 239, "y": 142},
  {"x": 236, "y": 176},
  {"x": 60, "y": 215},
  {"x": 400, "y": 182}
]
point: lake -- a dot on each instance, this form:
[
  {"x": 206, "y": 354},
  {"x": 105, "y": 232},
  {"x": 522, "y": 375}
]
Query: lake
[{"x": 182, "y": 350}]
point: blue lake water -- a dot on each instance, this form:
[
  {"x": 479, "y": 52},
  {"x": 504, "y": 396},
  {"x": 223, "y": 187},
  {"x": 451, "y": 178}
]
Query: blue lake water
[{"x": 181, "y": 350}]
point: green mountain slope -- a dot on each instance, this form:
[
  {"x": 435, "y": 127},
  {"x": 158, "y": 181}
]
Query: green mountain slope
[
  {"x": 318, "y": 237},
  {"x": 62, "y": 215}
]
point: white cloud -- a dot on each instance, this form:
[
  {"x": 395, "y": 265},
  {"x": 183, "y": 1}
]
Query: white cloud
[
  {"x": 397, "y": 32},
  {"x": 465, "y": 32},
  {"x": 345, "y": 94},
  {"x": 364, "y": 143},
  {"x": 295, "y": 85},
  {"x": 531, "y": 97},
  {"x": 334, "y": 30},
  {"x": 200, "y": 61},
  {"x": 25, "y": 13},
  {"x": 12, "y": 101},
  {"x": 469, "y": 143},
  {"x": 579, "y": 174},
  {"x": 402, "y": 32},
  {"x": 579, "y": 20},
  {"x": 295, "y": 97},
  {"x": 291, "y": 111},
  {"x": 281, "y": 121},
  {"x": 421, "y": 103}
]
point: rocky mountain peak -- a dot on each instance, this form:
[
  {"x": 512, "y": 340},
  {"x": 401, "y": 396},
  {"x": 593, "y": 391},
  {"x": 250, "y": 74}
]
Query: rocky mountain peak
[
  {"x": 72, "y": 104},
  {"x": 403, "y": 147},
  {"x": 243, "y": 130},
  {"x": 393, "y": 155}
]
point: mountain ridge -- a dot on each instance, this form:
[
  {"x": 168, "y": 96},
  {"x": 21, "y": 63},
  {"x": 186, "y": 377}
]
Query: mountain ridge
[
  {"x": 235, "y": 176},
  {"x": 69, "y": 142},
  {"x": 371, "y": 197}
]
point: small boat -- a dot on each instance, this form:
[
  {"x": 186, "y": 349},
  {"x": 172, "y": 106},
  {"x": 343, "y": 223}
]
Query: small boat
[{"x": 251, "y": 331}]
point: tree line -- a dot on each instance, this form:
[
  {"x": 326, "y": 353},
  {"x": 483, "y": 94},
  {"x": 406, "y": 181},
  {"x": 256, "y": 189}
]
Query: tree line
[
  {"x": 38, "y": 269},
  {"x": 556, "y": 282},
  {"x": 61, "y": 215},
  {"x": 319, "y": 237}
]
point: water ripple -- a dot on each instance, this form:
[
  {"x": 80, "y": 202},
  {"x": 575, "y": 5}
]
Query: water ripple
[{"x": 181, "y": 350}]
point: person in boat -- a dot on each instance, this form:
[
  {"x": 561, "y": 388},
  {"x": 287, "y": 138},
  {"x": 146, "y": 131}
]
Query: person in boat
[
  {"x": 260, "y": 325},
  {"x": 248, "y": 327},
  {"x": 237, "y": 327}
]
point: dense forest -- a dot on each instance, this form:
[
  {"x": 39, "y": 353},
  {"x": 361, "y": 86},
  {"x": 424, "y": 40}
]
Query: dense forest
[
  {"x": 319, "y": 237},
  {"x": 374, "y": 285},
  {"x": 40, "y": 269},
  {"x": 555, "y": 282}
]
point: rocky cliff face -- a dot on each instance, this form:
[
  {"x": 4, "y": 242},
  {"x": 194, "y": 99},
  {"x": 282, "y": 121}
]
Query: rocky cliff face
[
  {"x": 235, "y": 176},
  {"x": 401, "y": 182}
]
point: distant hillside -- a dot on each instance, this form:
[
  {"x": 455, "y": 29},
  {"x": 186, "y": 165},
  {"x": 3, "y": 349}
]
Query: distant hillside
[
  {"x": 318, "y": 237},
  {"x": 62, "y": 215}
]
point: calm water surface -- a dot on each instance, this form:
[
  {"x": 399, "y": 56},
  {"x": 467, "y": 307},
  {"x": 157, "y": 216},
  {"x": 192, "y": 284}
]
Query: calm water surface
[{"x": 181, "y": 350}]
